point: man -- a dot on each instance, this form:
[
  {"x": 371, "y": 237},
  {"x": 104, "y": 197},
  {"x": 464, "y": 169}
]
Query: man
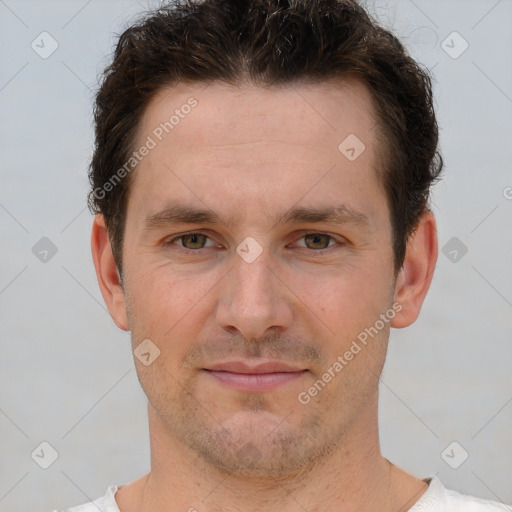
[{"x": 260, "y": 180}]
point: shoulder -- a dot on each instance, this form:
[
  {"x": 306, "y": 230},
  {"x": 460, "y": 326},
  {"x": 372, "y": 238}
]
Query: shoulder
[
  {"x": 106, "y": 503},
  {"x": 456, "y": 500},
  {"x": 440, "y": 499}
]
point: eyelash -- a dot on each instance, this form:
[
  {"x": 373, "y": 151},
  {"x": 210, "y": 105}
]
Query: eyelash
[{"x": 184, "y": 250}]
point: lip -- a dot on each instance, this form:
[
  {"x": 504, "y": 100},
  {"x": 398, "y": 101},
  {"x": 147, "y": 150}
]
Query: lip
[
  {"x": 242, "y": 367},
  {"x": 259, "y": 378}
]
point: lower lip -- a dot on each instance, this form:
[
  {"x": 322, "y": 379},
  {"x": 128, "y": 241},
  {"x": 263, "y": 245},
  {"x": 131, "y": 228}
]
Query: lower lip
[{"x": 259, "y": 382}]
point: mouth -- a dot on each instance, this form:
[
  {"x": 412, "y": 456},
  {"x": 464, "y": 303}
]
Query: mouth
[{"x": 259, "y": 378}]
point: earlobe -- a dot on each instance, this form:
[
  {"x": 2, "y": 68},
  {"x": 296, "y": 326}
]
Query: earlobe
[
  {"x": 415, "y": 276},
  {"x": 107, "y": 273}
]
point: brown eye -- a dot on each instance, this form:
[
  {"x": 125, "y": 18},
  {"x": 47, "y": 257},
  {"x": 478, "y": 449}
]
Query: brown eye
[
  {"x": 193, "y": 240},
  {"x": 317, "y": 241}
]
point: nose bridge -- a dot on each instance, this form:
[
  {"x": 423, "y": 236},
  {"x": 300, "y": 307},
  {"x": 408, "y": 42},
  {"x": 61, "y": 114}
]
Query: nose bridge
[
  {"x": 254, "y": 278},
  {"x": 252, "y": 299}
]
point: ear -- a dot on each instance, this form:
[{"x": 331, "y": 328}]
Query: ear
[
  {"x": 107, "y": 273},
  {"x": 413, "y": 280}
]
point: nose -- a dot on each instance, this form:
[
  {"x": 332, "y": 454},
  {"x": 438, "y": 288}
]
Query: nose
[{"x": 253, "y": 299}]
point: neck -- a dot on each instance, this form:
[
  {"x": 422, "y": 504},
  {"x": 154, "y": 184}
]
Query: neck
[{"x": 354, "y": 477}]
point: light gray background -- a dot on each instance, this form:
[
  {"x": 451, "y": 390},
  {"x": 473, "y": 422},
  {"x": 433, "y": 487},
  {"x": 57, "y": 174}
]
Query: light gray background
[{"x": 67, "y": 375}]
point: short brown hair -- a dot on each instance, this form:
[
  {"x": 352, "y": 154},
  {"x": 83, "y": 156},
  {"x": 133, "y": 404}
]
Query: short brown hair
[{"x": 268, "y": 42}]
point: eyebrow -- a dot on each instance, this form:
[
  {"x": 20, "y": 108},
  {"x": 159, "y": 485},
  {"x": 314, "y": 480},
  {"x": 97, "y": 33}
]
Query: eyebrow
[{"x": 176, "y": 213}]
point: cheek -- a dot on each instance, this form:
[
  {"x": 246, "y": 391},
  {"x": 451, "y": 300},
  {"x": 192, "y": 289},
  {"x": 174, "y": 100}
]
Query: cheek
[
  {"x": 170, "y": 310},
  {"x": 344, "y": 300},
  {"x": 162, "y": 298}
]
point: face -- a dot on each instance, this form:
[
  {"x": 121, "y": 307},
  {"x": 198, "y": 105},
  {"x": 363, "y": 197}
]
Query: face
[{"x": 257, "y": 253}]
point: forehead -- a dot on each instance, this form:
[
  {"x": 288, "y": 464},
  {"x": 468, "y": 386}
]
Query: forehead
[
  {"x": 258, "y": 146},
  {"x": 228, "y": 114}
]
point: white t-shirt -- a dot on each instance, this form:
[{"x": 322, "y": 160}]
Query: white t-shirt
[{"x": 436, "y": 499}]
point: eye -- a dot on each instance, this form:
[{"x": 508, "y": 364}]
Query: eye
[
  {"x": 317, "y": 241},
  {"x": 191, "y": 241}
]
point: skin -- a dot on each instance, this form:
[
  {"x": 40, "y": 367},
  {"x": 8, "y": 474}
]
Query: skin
[{"x": 249, "y": 154}]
